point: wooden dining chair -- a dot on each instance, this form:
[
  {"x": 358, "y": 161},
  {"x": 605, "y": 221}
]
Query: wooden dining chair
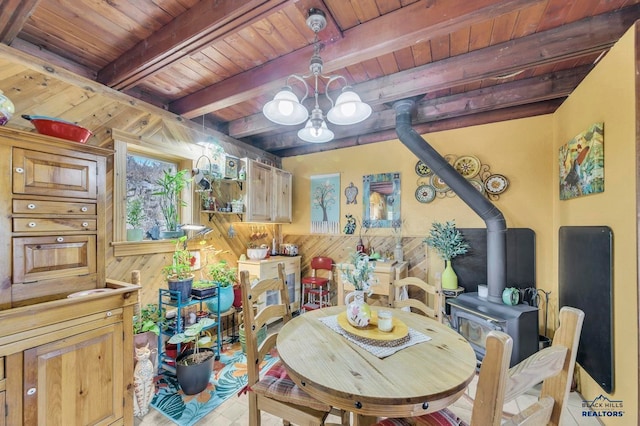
[
  {"x": 422, "y": 296},
  {"x": 553, "y": 366},
  {"x": 275, "y": 392}
]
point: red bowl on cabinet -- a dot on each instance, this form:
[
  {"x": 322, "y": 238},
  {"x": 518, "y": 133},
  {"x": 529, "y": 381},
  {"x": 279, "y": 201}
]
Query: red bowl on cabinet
[{"x": 59, "y": 128}]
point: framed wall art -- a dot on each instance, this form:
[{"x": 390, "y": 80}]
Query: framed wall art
[
  {"x": 325, "y": 204},
  {"x": 581, "y": 162}
]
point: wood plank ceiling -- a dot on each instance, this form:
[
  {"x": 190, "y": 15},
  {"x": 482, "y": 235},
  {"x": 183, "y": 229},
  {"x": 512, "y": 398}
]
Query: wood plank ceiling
[{"x": 220, "y": 61}]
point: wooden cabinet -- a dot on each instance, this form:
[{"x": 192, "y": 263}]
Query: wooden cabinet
[
  {"x": 68, "y": 361},
  {"x": 385, "y": 273},
  {"x": 267, "y": 194},
  {"x": 63, "y": 360},
  {"x": 268, "y": 268},
  {"x": 53, "y": 218}
]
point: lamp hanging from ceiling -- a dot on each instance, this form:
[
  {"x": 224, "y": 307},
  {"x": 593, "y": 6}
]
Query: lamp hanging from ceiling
[{"x": 286, "y": 109}]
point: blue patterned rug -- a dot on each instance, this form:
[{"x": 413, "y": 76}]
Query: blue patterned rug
[{"x": 227, "y": 379}]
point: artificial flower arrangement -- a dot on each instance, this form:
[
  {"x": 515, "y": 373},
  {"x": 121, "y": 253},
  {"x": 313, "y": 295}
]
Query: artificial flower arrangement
[
  {"x": 446, "y": 240},
  {"x": 359, "y": 272}
]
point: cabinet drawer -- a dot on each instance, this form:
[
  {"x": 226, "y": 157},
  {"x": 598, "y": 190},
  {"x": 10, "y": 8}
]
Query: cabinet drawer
[
  {"x": 48, "y": 225},
  {"x": 39, "y": 258},
  {"x": 53, "y": 207},
  {"x": 55, "y": 175}
]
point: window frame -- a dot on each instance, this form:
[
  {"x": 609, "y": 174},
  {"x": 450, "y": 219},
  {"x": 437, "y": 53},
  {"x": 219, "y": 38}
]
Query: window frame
[{"x": 183, "y": 155}]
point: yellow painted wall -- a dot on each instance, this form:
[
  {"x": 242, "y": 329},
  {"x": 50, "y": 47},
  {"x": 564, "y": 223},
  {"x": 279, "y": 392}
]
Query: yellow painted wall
[
  {"x": 526, "y": 151},
  {"x": 608, "y": 94},
  {"x": 518, "y": 149}
]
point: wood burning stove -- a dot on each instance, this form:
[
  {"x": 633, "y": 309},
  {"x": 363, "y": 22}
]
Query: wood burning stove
[{"x": 474, "y": 318}]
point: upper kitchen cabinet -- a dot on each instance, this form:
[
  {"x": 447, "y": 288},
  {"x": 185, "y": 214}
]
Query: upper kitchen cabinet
[{"x": 267, "y": 194}]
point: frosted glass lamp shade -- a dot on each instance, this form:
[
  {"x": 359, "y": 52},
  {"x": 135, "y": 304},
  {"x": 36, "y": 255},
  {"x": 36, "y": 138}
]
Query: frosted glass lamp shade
[
  {"x": 349, "y": 109},
  {"x": 285, "y": 108},
  {"x": 310, "y": 134}
]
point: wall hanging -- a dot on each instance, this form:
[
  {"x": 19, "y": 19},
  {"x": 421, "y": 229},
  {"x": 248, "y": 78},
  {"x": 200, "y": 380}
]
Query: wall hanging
[
  {"x": 581, "y": 162},
  {"x": 430, "y": 186},
  {"x": 325, "y": 204},
  {"x": 381, "y": 200}
]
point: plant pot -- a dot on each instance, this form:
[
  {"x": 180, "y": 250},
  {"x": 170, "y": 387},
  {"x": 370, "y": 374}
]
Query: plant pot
[
  {"x": 449, "y": 277},
  {"x": 171, "y": 235},
  {"x": 135, "y": 234},
  {"x": 181, "y": 286},
  {"x": 226, "y": 300},
  {"x": 237, "y": 296},
  {"x": 262, "y": 334},
  {"x": 202, "y": 293},
  {"x": 194, "y": 378}
]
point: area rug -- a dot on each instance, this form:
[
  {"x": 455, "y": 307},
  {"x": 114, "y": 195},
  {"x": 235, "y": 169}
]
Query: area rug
[{"x": 228, "y": 378}]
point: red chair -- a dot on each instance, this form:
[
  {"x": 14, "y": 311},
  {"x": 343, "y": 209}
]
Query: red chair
[{"x": 316, "y": 289}]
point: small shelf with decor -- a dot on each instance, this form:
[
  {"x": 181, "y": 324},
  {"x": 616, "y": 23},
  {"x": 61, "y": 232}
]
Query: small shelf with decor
[{"x": 169, "y": 298}]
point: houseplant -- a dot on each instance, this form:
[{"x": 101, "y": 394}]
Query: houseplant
[
  {"x": 194, "y": 366},
  {"x": 178, "y": 274},
  {"x": 225, "y": 277},
  {"x": 171, "y": 185},
  {"x": 135, "y": 214},
  {"x": 360, "y": 274},
  {"x": 449, "y": 243}
]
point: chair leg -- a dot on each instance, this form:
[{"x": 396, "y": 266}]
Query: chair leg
[{"x": 254, "y": 413}]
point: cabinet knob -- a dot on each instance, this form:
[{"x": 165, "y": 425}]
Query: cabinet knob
[
  {"x": 83, "y": 209},
  {"x": 31, "y": 391},
  {"x": 85, "y": 224},
  {"x": 59, "y": 239},
  {"x": 31, "y": 225},
  {"x": 31, "y": 206},
  {"x": 19, "y": 170},
  {"x": 109, "y": 314}
]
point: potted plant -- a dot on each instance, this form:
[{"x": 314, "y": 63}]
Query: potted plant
[
  {"x": 225, "y": 277},
  {"x": 135, "y": 214},
  {"x": 449, "y": 243},
  {"x": 171, "y": 185},
  {"x": 178, "y": 274},
  {"x": 146, "y": 328},
  {"x": 194, "y": 366}
]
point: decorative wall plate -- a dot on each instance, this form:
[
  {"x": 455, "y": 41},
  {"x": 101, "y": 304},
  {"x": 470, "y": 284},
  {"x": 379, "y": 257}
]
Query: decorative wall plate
[
  {"x": 477, "y": 184},
  {"x": 422, "y": 169},
  {"x": 496, "y": 184},
  {"x": 439, "y": 184},
  {"x": 425, "y": 193},
  {"x": 468, "y": 166}
]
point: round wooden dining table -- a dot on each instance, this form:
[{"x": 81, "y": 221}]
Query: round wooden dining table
[{"x": 416, "y": 380}]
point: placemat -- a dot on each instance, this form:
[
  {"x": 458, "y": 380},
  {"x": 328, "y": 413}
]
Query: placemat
[{"x": 415, "y": 337}]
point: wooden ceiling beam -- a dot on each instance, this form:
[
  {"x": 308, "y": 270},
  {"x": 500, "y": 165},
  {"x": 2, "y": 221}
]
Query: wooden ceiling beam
[
  {"x": 11, "y": 23},
  {"x": 420, "y": 21},
  {"x": 190, "y": 32},
  {"x": 513, "y": 113},
  {"x": 527, "y": 91}
]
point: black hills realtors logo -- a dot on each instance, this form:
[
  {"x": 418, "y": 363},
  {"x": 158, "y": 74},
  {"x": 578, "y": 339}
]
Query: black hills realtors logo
[{"x": 603, "y": 407}]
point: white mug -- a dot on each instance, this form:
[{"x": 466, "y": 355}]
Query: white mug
[{"x": 385, "y": 321}]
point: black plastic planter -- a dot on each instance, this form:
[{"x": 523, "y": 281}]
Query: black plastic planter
[{"x": 194, "y": 378}]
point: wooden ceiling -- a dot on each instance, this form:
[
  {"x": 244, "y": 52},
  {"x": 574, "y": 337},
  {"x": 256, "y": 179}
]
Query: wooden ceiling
[{"x": 219, "y": 61}]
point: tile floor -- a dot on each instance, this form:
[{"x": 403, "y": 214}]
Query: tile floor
[{"x": 233, "y": 412}]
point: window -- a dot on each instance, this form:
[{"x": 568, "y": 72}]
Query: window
[
  {"x": 136, "y": 166},
  {"x": 142, "y": 173}
]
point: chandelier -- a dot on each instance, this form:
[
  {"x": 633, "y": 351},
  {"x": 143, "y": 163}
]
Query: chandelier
[{"x": 286, "y": 109}]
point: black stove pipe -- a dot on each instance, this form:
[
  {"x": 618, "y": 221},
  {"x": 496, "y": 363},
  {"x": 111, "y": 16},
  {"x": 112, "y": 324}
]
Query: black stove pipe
[{"x": 494, "y": 220}]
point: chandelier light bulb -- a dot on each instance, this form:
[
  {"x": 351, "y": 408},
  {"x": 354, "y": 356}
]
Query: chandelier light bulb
[
  {"x": 285, "y": 108},
  {"x": 315, "y": 135},
  {"x": 349, "y": 109}
]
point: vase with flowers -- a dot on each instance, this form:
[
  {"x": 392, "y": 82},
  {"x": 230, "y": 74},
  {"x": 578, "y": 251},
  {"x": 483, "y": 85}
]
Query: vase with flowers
[
  {"x": 449, "y": 243},
  {"x": 359, "y": 272}
]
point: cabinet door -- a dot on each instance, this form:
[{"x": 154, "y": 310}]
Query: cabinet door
[
  {"x": 259, "y": 192},
  {"x": 282, "y": 196},
  {"x": 40, "y": 258},
  {"x": 76, "y": 380},
  {"x": 41, "y": 173}
]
